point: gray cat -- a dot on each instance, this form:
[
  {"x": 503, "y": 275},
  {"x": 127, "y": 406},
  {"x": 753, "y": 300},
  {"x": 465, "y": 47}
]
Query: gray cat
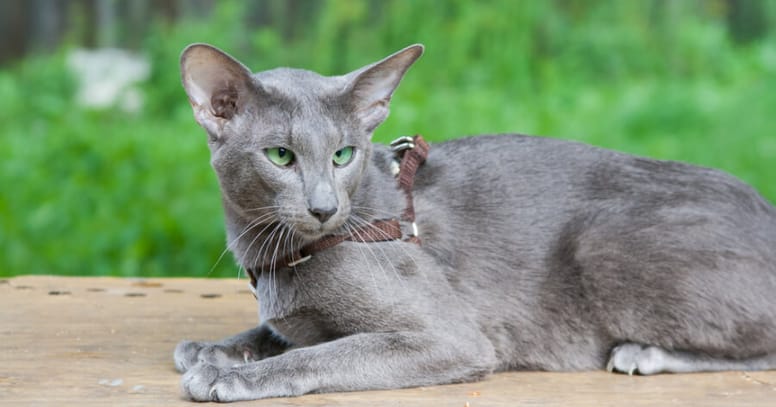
[{"x": 533, "y": 254}]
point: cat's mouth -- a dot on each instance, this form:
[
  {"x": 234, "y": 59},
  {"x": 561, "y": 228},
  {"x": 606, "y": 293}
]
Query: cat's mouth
[
  {"x": 305, "y": 228},
  {"x": 313, "y": 231}
]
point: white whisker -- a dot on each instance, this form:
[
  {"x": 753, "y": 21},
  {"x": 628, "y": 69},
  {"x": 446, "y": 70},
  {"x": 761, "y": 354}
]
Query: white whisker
[
  {"x": 263, "y": 253},
  {"x": 366, "y": 260},
  {"x": 371, "y": 247},
  {"x": 251, "y": 225},
  {"x": 366, "y": 224}
]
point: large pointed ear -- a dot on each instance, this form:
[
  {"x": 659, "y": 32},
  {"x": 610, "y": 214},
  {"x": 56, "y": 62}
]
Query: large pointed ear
[
  {"x": 371, "y": 88},
  {"x": 217, "y": 85}
]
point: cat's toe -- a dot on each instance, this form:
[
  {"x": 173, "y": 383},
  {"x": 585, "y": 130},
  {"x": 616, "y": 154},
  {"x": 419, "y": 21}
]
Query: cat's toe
[
  {"x": 223, "y": 356},
  {"x": 205, "y": 382},
  {"x": 633, "y": 358},
  {"x": 197, "y": 383},
  {"x": 186, "y": 355}
]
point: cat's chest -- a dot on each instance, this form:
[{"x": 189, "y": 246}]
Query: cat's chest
[
  {"x": 309, "y": 310},
  {"x": 337, "y": 294}
]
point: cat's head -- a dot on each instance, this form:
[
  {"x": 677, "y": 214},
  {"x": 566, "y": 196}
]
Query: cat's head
[{"x": 289, "y": 146}]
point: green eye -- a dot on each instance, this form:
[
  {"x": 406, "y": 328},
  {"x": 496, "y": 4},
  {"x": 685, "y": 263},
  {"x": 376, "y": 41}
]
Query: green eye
[
  {"x": 343, "y": 156},
  {"x": 280, "y": 156}
]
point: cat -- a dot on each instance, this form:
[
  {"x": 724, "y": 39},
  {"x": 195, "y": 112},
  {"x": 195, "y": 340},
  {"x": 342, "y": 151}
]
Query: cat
[{"x": 531, "y": 253}]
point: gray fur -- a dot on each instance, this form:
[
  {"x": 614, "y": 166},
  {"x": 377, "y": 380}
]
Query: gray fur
[{"x": 536, "y": 253}]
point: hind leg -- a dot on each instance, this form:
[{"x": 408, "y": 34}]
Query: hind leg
[{"x": 633, "y": 358}]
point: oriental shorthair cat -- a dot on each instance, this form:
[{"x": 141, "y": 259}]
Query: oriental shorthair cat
[{"x": 381, "y": 267}]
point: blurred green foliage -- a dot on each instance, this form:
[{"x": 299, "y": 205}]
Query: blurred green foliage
[{"x": 88, "y": 192}]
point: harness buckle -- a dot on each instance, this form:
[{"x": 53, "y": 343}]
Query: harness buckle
[{"x": 402, "y": 143}]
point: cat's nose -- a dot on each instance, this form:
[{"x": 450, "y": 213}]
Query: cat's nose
[{"x": 323, "y": 214}]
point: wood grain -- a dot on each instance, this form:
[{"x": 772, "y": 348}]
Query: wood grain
[{"x": 109, "y": 341}]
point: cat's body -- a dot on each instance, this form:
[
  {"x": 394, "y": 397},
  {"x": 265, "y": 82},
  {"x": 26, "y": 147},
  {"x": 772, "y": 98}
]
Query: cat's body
[{"x": 535, "y": 253}]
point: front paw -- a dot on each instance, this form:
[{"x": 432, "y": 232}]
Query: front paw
[
  {"x": 205, "y": 382},
  {"x": 188, "y": 354},
  {"x": 198, "y": 382}
]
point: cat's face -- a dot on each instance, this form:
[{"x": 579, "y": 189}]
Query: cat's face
[
  {"x": 295, "y": 159},
  {"x": 289, "y": 146}
]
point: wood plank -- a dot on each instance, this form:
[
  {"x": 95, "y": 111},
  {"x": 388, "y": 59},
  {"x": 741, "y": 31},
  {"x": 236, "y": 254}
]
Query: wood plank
[{"x": 109, "y": 341}]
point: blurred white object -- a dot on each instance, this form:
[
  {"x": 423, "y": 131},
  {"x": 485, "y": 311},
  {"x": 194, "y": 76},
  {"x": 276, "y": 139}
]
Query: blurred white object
[{"x": 107, "y": 77}]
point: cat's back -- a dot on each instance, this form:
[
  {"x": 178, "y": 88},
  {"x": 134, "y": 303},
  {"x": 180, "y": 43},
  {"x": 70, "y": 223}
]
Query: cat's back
[
  {"x": 518, "y": 194},
  {"x": 519, "y": 170},
  {"x": 480, "y": 197},
  {"x": 493, "y": 170}
]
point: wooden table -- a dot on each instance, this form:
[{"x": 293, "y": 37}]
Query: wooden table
[{"x": 109, "y": 341}]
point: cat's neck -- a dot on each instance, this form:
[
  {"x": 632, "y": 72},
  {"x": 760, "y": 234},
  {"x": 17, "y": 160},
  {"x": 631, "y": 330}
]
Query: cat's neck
[{"x": 378, "y": 197}]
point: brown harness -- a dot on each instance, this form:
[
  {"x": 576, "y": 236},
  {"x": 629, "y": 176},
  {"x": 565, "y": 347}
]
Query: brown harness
[{"x": 410, "y": 153}]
